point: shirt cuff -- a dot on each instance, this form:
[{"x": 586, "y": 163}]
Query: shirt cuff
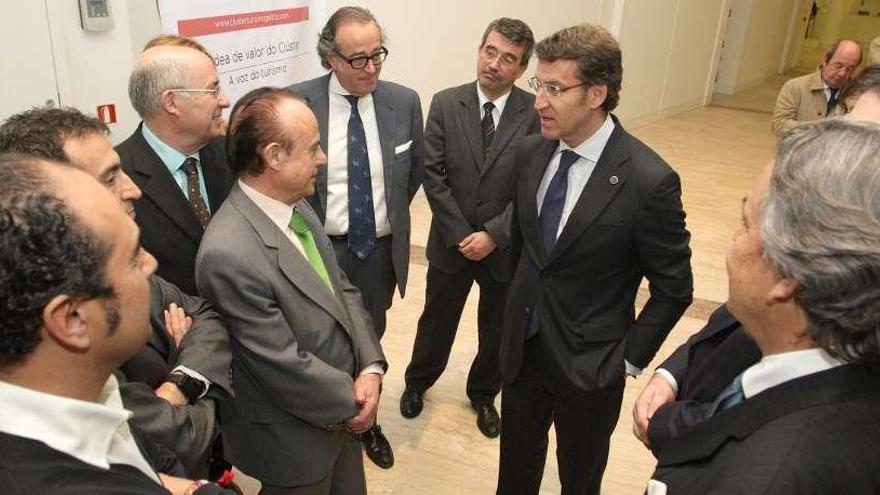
[
  {"x": 198, "y": 376},
  {"x": 669, "y": 378},
  {"x": 632, "y": 370},
  {"x": 373, "y": 368}
]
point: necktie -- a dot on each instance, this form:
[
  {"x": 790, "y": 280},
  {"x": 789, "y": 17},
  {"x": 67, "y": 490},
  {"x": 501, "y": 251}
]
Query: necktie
[
  {"x": 729, "y": 397},
  {"x": 361, "y": 217},
  {"x": 304, "y": 234},
  {"x": 488, "y": 125},
  {"x": 832, "y": 101},
  {"x": 554, "y": 200},
  {"x": 194, "y": 195}
]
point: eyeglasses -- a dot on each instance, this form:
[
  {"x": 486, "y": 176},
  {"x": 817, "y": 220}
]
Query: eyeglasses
[
  {"x": 506, "y": 59},
  {"x": 360, "y": 61},
  {"x": 551, "y": 90},
  {"x": 215, "y": 92}
]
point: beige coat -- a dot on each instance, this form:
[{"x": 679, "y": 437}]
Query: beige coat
[{"x": 802, "y": 99}]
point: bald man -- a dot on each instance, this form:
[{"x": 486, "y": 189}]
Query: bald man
[
  {"x": 815, "y": 95},
  {"x": 176, "y": 155}
]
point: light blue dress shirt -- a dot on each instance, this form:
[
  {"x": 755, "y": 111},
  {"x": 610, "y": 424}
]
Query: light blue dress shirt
[{"x": 173, "y": 160}]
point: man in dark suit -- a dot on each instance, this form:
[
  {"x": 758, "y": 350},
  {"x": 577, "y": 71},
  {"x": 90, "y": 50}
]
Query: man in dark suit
[
  {"x": 375, "y": 152},
  {"x": 469, "y": 181},
  {"x": 176, "y": 155},
  {"x": 172, "y": 383},
  {"x": 803, "y": 274},
  {"x": 308, "y": 366},
  {"x": 595, "y": 211}
]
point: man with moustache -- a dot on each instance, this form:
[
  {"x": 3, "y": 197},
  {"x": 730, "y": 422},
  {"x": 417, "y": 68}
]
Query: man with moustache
[
  {"x": 595, "y": 211},
  {"x": 375, "y": 154},
  {"x": 176, "y": 155},
  {"x": 469, "y": 183},
  {"x": 308, "y": 366},
  {"x": 173, "y": 383}
]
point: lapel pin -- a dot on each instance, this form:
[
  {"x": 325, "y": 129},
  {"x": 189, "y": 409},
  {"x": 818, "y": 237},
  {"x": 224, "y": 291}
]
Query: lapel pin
[{"x": 613, "y": 180}]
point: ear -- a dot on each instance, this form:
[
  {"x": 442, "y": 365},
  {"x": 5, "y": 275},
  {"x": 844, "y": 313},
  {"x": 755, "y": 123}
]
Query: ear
[
  {"x": 783, "y": 291},
  {"x": 168, "y": 100},
  {"x": 66, "y": 321},
  {"x": 596, "y": 96},
  {"x": 272, "y": 155}
]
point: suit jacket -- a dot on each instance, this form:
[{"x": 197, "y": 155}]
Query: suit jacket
[
  {"x": 801, "y": 99},
  {"x": 169, "y": 228},
  {"x": 189, "y": 429},
  {"x": 296, "y": 346},
  {"x": 815, "y": 434},
  {"x": 466, "y": 191},
  {"x": 399, "y": 118},
  {"x": 703, "y": 367},
  {"x": 627, "y": 224}
]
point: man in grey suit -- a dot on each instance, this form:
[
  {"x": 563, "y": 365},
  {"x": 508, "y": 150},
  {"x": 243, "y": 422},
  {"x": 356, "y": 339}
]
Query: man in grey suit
[
  {"x": 173, "y": 382},
  {"x": 469, "y": 183},
  {"x": 307, "y": 364},
  {"x": 375, "y": 152}
]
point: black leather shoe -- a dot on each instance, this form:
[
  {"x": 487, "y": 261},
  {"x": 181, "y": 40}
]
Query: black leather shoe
[
  {"x": 488, "y": 420},
  {"x": 411, "y": 403},
  {"x": 377, "y": 447}
]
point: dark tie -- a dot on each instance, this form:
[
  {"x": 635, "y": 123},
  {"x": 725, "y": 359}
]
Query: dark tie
[
  {"x": 832, "y": 101},
  {"x": 554, "y": 200},
  {"x": 361, "y": 217},
  {"x": 193, "y": 192},
  {"x": 299, "y": 226},
  {"x": 729, "y": 397},
  {"x": 488, "y": 125}
]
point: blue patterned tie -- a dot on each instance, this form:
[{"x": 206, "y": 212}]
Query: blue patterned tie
[
  {"x": 554, "y": 200},
  {"x": 361, "y": 217},
  {"x": 729, "y": 397}
]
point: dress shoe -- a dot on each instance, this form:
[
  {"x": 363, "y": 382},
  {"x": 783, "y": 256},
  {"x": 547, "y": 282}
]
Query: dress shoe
[
  {"x": 411, "y": 403},
  {"x": 377, "y": 447},
  {"x": 488, "y": 420}
]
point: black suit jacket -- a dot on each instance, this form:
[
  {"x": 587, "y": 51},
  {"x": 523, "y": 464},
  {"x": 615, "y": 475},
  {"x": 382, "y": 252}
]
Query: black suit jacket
[
  {"x": 169, "y": 228},
  {"x": 468, "y": 193},
  {"x": 703, "y": 367},
  {"x": 627, "y": 224},
  {"x": 815, "y": 434}
]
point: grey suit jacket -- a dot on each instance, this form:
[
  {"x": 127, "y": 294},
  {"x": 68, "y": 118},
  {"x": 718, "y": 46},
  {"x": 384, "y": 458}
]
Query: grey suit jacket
[
  {"x": 296, "y": 346},
  {"x": 467, "y": 191},
  {"x": 399, "y": 118}
]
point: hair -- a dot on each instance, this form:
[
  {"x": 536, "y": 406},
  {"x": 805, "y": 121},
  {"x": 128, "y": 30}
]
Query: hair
[
  {"x": 596, "y": 53},
  {"x": 253, "y": 123},
  {"x": 826, "y": 57},
  {"x": 327, "y": 45},
  {"x": 172, "y": 40},
  {"x": 867, "y": 80},
  {"x": 149, "y": 80},
  {"x": 42, "y": 131},
  {"x": 515, "y": 31},
  {"x": 45, "y": 251},
  {"x": 821, "y": 227}
]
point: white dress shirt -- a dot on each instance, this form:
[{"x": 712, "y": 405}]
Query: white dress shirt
[
  {"x": 96, "y": 433},
  {"x": 777, "y": 369},
  {"x": 498, "y": 102},
  {"x": 336, "y": 220}
]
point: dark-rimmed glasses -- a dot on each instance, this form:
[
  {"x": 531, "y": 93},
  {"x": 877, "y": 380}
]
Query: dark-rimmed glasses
[{"x": 360, "y": 61}]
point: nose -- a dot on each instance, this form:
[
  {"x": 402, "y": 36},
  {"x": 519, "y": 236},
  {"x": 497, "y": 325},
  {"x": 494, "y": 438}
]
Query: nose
[
  {"x": 150, "y": 264},
  {"x": 129, "y": 190},
  {"x": 223, "y": 100},
  {"x": 370, "y": 68},
  {"x": 541, "y": 99},
  {"x": 321, "y": 158}
]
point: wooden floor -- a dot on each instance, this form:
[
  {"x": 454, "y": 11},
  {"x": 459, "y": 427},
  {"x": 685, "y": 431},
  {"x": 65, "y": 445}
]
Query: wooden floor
[{"x": 718, "y": 152}]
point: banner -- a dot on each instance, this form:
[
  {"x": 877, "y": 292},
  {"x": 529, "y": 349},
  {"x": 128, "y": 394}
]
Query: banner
[{"x": 254, "y": 43}]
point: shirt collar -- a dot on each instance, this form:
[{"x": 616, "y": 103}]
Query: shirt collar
[
  {"x": 279, "y": 212},
  {"x": 172, "y": 158},
  {"x": 79, "y": 428},
  {"x": 498, "y": 102},
  {"x": 776, "y": 369},
  {"x": 591, "y": 149}
]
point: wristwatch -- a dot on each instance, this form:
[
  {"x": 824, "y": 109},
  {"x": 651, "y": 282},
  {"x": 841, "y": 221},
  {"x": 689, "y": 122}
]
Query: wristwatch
[{"x": 191, "y": 387}]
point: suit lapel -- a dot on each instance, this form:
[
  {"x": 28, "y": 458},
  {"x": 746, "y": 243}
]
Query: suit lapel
[
  {"x": 531, "y": 227},
  {"x": 468, "y": 114},
  {"x": 385, "y": 121},
  {"x": 320, "y": 103},
  {"x": 163, "y": 190},
  {"x": 603, "y": 184},
  {"x": 511, "y": 120},
  {"x": 292, "y": 264},
  {"x": 214, "y": 182}
]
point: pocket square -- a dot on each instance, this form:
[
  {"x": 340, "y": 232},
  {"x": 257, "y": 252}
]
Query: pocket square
[{"x": 403, "y": 147}]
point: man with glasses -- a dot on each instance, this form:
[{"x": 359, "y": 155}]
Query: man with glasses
[
  {"x": 815, "y": 95},
  {"x": 176, "y": 155},
  {"x": 469, "y": 182},
  {"x": 595, "y": 211},
  {"x": 373, "y": 133}
]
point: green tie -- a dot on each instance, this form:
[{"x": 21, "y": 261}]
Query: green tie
[{"x": 304, "y": 234}]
